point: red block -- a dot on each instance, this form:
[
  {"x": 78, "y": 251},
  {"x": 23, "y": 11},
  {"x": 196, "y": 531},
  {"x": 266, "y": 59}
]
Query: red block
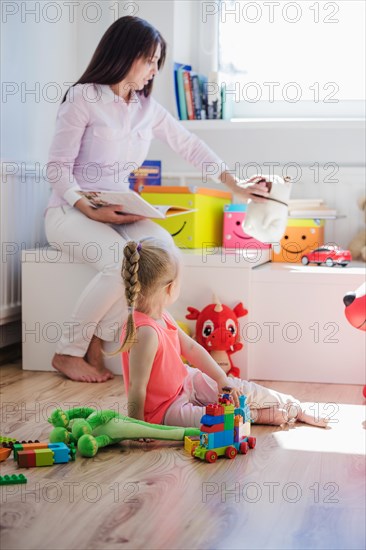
[
  {"x": 26, "y": 459},
  {"x": 212, "y": 429},
  {"x": 214, "y": 409}
]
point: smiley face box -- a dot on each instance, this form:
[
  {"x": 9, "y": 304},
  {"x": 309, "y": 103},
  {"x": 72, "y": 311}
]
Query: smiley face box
[
  {"x": 302, "y": 235},
  {"x": 233, "y": 234},
  {"x": 195, "y": 229}
]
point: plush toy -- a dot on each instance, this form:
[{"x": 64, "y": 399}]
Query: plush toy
[
  {"x": 92, "y": 429},
  {"x": 357, "y": 246},
  {"x": 355, "y": 310},
  {"x": 217, "y": 330},
  {"x": 267, "y": 221}
]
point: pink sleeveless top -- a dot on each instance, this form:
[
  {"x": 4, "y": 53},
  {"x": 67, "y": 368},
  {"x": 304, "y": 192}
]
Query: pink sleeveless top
[{"x": 168, "y": 371}]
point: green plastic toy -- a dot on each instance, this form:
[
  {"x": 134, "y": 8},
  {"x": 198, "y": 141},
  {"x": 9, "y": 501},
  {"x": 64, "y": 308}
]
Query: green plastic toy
[
  {"x": 13, "y": 479},
  {"x": 92, "y": 429}
]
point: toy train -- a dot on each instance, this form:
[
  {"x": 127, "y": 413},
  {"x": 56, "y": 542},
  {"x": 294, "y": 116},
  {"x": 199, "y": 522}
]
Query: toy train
[{"x": 225, "y": 431}]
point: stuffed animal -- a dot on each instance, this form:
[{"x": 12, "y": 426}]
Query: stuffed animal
[
  {"x": 92, "y": 429},
  {"x": 357, "y": 246},
  {"x": 355, "y": 311},
  {"x": 267, "y": 221},
  {"x": 217, "y": 330}
]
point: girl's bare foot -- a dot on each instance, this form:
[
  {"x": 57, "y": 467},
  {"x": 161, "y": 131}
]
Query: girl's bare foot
[
  {"x": 76, "y": 368},
  {"x": 291, "y": 413},
  {"x": 309, "y": 414},
  {"x": 94, "y": 357}
]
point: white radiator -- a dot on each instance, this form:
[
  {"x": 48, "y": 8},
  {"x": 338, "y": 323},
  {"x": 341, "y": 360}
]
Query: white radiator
[{"x": 23, "y": 197}]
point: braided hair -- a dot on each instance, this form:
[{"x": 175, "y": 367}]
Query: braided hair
[{"x": 146, "y": 266}]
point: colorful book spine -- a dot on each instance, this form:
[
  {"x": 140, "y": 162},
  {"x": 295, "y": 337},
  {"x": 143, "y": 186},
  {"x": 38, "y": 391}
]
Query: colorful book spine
[
  {"x": 181, "y": 94},
  {"x": 196, "y": 96},
  {"x": 188, "y": 92}
]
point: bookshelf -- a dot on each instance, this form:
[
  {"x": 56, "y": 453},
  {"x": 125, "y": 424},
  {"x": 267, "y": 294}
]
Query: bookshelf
[{"x": 276, "y": 123}]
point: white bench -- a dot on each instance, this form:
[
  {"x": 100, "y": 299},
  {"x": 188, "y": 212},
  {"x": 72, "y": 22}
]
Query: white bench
[
  {"x": 51, "y": 285},
  {"x": 296, "y": 329}
]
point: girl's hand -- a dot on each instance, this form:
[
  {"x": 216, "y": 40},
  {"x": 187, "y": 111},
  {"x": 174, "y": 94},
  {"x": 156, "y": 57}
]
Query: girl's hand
[{"x": 234, "y": 392}]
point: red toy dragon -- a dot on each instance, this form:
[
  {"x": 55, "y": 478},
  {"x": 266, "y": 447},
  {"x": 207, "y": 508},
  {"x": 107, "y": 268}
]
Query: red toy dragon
[{"x": 217, "y": 330}]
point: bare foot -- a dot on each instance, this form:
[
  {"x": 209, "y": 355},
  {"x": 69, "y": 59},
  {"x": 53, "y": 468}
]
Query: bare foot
[
  {"x": 309, "y": 414},
  {"x": 94, "y": 357},
  {"x": 76, "y": 368}
]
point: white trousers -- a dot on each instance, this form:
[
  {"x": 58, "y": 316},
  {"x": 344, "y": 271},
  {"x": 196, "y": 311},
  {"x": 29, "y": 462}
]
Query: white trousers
[
  {"x": 199, "y": 390},
  {"x": 101, "y": 308}
]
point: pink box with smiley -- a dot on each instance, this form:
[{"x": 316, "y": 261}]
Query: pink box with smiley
[{"x": 233, "y": 234}]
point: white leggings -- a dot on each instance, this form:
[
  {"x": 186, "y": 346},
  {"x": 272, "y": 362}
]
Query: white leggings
[
  {"x": 199, "y": 390},
  {"x": 102, "y": 303}
]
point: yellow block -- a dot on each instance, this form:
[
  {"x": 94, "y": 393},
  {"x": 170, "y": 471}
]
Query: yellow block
[
  {"x": 191, "y": 442},
  {"x": 196, "y": 229},
  {"x": 301, "y": 236}
]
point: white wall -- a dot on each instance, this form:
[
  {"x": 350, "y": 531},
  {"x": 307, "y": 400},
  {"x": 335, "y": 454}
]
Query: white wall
[{"x": 38, "y": 52}]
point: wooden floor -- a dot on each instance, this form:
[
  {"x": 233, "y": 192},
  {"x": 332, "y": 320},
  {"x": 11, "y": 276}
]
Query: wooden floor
[{"x": 302, "y": 488}]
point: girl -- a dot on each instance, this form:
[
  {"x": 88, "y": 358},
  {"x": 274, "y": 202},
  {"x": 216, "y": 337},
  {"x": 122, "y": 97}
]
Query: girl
[
  {"x": 160, "y": 387},
  {"x": 104, "y": 128}
]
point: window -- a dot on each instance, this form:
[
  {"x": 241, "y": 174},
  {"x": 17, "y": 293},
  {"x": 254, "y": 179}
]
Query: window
[{"x": 293, "y": 59}]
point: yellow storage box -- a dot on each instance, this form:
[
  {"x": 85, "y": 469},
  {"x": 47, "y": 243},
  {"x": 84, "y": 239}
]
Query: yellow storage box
[{"x": 203, "y": 227}]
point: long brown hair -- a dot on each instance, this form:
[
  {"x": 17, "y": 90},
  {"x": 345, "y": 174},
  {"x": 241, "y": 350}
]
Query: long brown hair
[
  {"x": 147, "y": 266},
  {"x": 127, "y": 39}
]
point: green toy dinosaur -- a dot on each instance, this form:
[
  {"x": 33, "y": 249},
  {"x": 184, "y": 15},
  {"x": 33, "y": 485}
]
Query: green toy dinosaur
[{"x": 92, "y": 429}]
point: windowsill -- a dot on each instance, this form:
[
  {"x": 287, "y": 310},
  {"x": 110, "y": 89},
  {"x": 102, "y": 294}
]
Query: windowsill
[{"x": 265, "y": 123}]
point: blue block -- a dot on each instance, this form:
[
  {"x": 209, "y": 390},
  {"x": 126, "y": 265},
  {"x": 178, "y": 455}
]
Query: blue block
[
  {"x": 61, "y": 452},
  {"x": 222, "y": 439},
  {"x": 210, "y": 420}
]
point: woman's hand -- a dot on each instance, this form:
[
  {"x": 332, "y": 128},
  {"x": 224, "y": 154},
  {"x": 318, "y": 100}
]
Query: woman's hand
[
  {"x": 253, "y": 188},
  {"x": 111, "y": 213}
]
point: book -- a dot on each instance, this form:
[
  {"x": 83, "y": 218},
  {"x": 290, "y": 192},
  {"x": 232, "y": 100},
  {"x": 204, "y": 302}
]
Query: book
[
  {"x": 188, "y": 93},
  {"x": 149, "y": 173},
  {"x": 180, "y": 96},
  {"x": 196, "y": 96},
  {"x": 133, "y": 203}
]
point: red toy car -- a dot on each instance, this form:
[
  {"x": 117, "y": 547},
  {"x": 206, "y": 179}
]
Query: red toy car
[{"x": 328, "y": 255}]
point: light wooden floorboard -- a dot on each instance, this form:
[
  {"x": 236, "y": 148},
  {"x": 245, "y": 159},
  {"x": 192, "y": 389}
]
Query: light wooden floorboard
[{"x": 299, "y": 489}]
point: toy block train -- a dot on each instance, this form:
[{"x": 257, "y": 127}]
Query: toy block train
[{"x": 225, "y": 431}]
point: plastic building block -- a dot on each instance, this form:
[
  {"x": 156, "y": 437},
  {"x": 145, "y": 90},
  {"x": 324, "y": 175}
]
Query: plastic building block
[
  {"x": 4, "y": 439},
  {"x": 4, "y": 453},
  {"x": 229, "y": 408},
  {"x": 61, "y": 452},
  {"x": 210, "y": 420},
  {"x": 73, "y": 451},
  {"x": 190, "y": 442},
  {"x": 228, "y": 422},
  {"x": 44, "y": 457},
  {"x": 214, "y": 409},
  {"x": 26, "y": 459},
  {"x": 224, "y": 438},
  {"x": 13, "y": 479},
  {"x": 212, "y": 429}
]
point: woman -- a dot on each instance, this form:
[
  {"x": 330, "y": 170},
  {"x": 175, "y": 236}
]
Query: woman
[{"x": 103, "y": 131}]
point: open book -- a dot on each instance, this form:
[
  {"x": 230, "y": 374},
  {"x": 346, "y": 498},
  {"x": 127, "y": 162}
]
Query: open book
[{"x": 132, "y": 203}]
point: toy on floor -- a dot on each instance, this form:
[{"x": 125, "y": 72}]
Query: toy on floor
[
  {"x": 358, "y": 244},
  {"x": 225, "y": 430},
  {"x": 13, "y": 479},
  {"x": 266, "y": 221},
  {"x": 355, "y": 311},
  {"x": 30, "y": 455},
  {"x": 92, "y": 429},
  {"x": 217, "y": 330}
]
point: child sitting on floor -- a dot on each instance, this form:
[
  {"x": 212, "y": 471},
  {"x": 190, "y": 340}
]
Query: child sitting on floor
[{"x": 160, "y": 388}]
